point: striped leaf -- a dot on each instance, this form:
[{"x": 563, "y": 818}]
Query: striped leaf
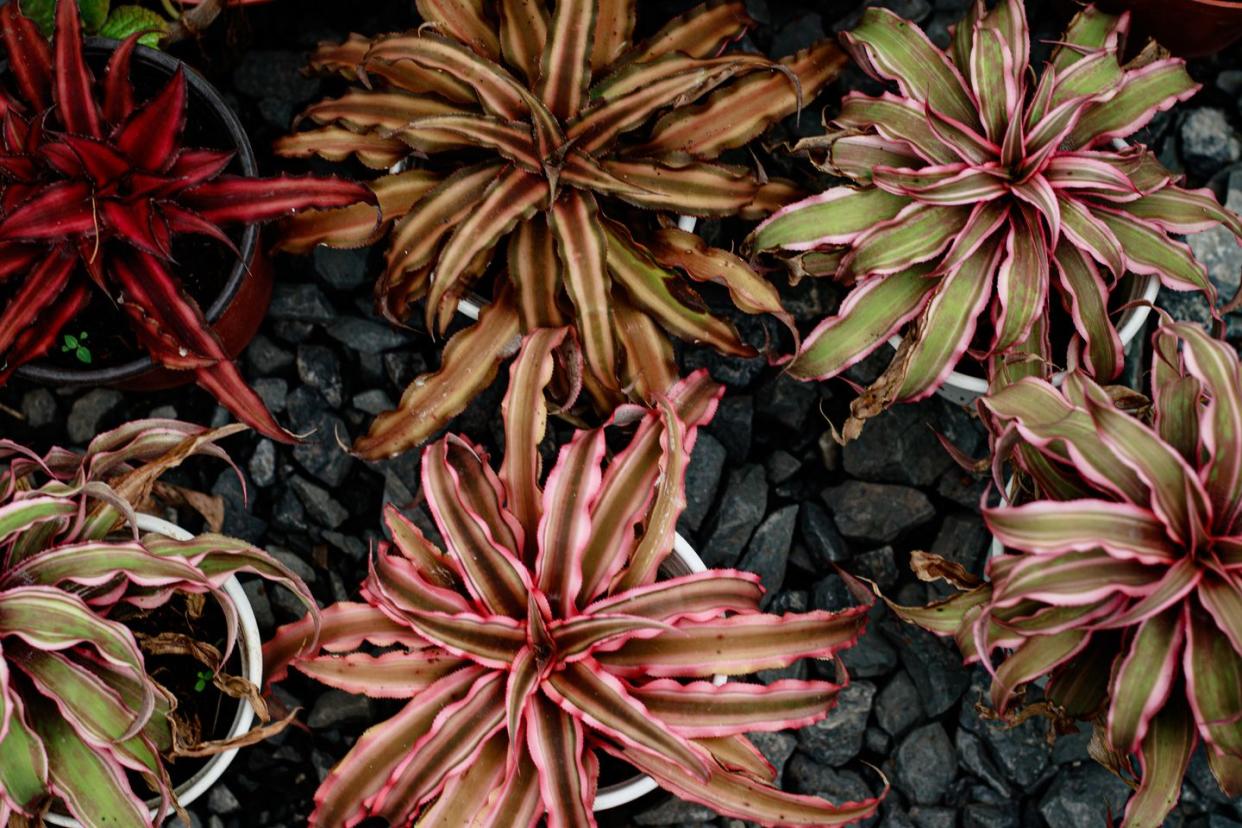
[
  {"x": 1163, "y": 759},
  {"x": 1144, "y": 678},
  {"x": 1034, "y": 658},
  {"x": 1074, "y": 579},
  {"x": 894, "y": 49},
  {"x": 392, "y": 675},
  {"x": 1050, "y": 527},
  {"x": 465, "y": 20},
  {"x": 89, "y": 781},
  {"x": 1212, "y": 669},
  {"x": 1136, "y": 100},
  {"x": 556, "y": 745},
  {"x": 703, "y": 709},
  {"x": 836, "y": 216},
  {"x": 565, "y": 527},
  {"x": 565, "y": 68},
  {"x": 870, "y": 314},
  {"x": 469, "y": 363},
  {"x": 581, "y": 244},
  {"x": 755, "y": 642}
]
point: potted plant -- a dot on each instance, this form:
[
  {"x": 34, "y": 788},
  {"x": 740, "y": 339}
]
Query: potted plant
[
  {"x": 976, "y": 191},
  {"x": 99, "y": 608},
  {"x": 1121, "y": 584},
  {"x": 542, "y": 638},
  {"x": 102, "y": 196},
  {"x": 548, "y": 139},
  {"x": 1190, "y": 28}
]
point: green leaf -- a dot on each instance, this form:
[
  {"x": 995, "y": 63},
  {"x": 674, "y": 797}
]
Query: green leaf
[
  {"x": 126, "y": 20},
  {"x": 43, "y": 13}
]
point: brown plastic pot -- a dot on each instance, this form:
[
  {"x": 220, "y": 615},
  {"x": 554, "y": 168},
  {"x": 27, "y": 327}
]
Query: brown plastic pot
[
  {"x": 235, "y": 315},
  {"x": 1189, "y": 28}
]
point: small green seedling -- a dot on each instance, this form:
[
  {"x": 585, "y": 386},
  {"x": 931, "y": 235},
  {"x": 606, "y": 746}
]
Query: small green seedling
[
  {"x": 204, "y": 679},
  {"x": 77, "y": 344}
]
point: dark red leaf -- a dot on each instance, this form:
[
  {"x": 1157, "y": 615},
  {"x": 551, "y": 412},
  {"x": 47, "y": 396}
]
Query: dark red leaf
[
  {"x": 133, "y": 223},
  {"x": 186, "y": 221},
  {"x": 151, "y": 290},
  {"x": 15, "y": 131},
  {"x": 30, "y": 59},
  {"x": 35, "y": 295},
  {"x": 192, "y": 167},
  {"x": 35, "y": 341},
  {"x": 101, "y": 163},
  {"x": 150, "y": 135},
  {"x": 75, "y": 86},
  {"x": 17, "y": 167},
  {"x": 118, "y": 103},
  {"x": 17, "y": 258},
  {"x": 60, "y": 210},
  {"x": 249, "y": 200}
]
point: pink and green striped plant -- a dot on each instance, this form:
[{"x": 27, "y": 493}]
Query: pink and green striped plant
[
  {"x": 79, "y": 713},
  {"x": 547, "y": 152},
  {"x": 541, "y": 636},
  {"x": 1122, "y": 581},
  {"x": 978, "y": 191}
]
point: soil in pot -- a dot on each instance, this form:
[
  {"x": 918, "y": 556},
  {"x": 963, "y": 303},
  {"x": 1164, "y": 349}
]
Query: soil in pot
[
  {"x": 100, "y": 336},
  {"x": 204, "y": 713}
]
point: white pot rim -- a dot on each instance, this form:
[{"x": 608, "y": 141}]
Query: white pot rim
[
  {"x": 250, "y": 644},
  {"x": 623, "y": 793}
]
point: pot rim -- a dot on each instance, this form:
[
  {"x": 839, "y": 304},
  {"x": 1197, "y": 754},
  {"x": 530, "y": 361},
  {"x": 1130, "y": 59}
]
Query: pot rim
[
  {"x": 45, "y": 374},
  {"x": 250, "y": 644}
]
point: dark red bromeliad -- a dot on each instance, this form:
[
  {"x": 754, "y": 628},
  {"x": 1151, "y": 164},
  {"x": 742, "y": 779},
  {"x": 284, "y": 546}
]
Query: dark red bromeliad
[{"x": 94, "y": 187}]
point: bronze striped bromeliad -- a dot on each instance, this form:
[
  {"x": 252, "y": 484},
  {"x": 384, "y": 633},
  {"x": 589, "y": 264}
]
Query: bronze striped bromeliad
[
  {"x": 540, "y": 637},
  {"x": 80, "y": 717},
  {"x": 976, "y": 190},
  {"x": 541, "y": 137},
  {"x": 95, "y": 186},
  {"x": 1123, "y": 582}
]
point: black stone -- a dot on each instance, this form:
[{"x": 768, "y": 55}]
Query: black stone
[
  {"x": 732, "y": 426},
  {"x": 1083, "y": 795},
  {"x": 806, "y": 776},
  {"x": 785, "y": 402},
  {"x": 39, "y": 408},
  {"x": 898, "y": 446},
  {"x": 702, "y": 480},
  {"x": 262, "y": 465},
  {"x": 319, "y": 453},
  {"x": 964, "y": 539},
  {"x": 767, "y": 554},
  {"x": 838, "y": 738},
  {"x": 741, "y": 508},
  {"x": 336, "y": 708},
  {"x": 876, "y": 565},
  {"x": 303, "y": 302},
  {"x": 974, "y": 757},
  {"x": 341, "y": 269},
  {"x": 776, "y": 747},
  {"x": 979, "y": 815},
  {"x": 819, "y": 534},
  {"x": 1022, "y": 751},
  {"x": 319, "y": 367},
  {"x": 265, "y": 357},
  {"x": 366, "y": 336},
  {"x": 781, "y": 466},
  {"x": 273, "y": 391},
  {"x": 933, "y": 665},
  {"x": 89, "y": 412},
  {"x": 897, "y": 706},
  {"x": 321, "y": 506},
  {"x": 925, "y": 764},
  {"x": 877, "y": 512}
]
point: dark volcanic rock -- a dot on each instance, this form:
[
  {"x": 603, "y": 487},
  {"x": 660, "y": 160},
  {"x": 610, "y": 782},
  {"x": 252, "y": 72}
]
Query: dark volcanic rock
[
  {"x": 838, "y": 738},
  {"x": 88, "y": 413},
  {"x": 898, "y": 446},
  {"x": 776, "y": 747},
  {"x": 732, "y": 426},
  {"x": 340, "y": 269},
  {"x": 1083, "y": 795},
  {"x": 974, "y": 757},
  {"x": 925, "y": 764},
  {"x": 964, "y": 539},
  {"x": 819, "y": 534},
  {"x": 786, "y": 402},
  {"x": 319, "y": 453},
  {"x": 934, "y": 666},
  {"x": 897, "y": 707},
  {"x": 302, "y": 302},
  {"x": 1021, "y": 751},
  {"x": 319, "y": 367},
  {"x": 702, "y": 480},
  {"x": 767, "y": 554},
  {"x": 806, "y": 776},
  {"x": 876, "y": 565},
  {"x": 741, "y": 508},
  {"x": 877, "y": 512},
  {"x": 366, "y": 336}
]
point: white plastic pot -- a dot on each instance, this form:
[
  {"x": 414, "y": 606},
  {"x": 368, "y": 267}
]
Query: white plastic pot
[
  {"x": 250, "y": 647},
  {"x": 683, "y": 561}
]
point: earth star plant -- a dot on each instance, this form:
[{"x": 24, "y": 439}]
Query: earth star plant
[
  {"x": 977, "y": 190},
  {"x": 1129, "y": 554},
  {"x": 78, "y": 709},
  {"x": 545, "y": 133},
  {"x": 94, "y": 189},
  {"x": 540, "y": 636}
]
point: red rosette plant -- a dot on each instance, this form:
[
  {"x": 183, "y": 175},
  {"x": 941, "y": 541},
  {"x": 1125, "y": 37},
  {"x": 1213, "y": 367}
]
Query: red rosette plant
[
  {"x": 541, "y": 636},
  {"x": 94, "y": 188}
]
